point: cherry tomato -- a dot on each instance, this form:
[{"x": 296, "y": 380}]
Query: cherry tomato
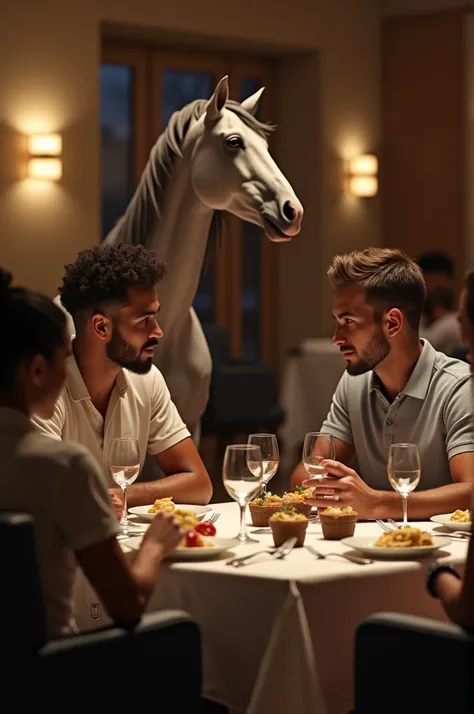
[
  {"x": 191, "y": 539},
  {"x": 206, "y": 529}
]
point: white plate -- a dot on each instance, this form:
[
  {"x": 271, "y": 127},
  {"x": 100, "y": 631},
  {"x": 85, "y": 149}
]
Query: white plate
[
  {"x": 444, "y": 520},
  {"x": 366, "y": 546},
  {"x": 142, "y": 511},
  {"x": 219, "y": 545}
]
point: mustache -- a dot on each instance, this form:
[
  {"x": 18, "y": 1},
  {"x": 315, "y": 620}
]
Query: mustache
[{"x": 150, "y": 343}]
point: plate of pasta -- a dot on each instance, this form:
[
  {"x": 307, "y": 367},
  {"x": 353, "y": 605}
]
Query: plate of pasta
[
  {"x": 203, "y": 549},
  {"x": 401, "y": 544},
  {"x": 456, "y": 521},
  {"x": 167, "y": 504}
]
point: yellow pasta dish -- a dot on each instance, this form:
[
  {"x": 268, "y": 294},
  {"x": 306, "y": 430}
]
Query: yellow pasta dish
[
  {"x": 162, "y": 504},
  {"x": 461, "y": 516},
  {"x": 406, "y": 537}
]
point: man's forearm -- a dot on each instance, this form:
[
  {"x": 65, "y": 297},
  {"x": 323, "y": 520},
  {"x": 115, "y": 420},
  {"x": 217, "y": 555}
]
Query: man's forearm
[
  {"x": 424, "y": 504},
  {"x": 183, "y": 487}
]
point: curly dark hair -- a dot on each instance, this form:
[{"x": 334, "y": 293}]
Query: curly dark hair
[{"x": 103, "y": 275}]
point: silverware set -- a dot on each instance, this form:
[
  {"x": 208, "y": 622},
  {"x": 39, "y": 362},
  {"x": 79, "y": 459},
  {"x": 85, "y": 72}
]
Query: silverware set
[
  {"x": 392, "y": 525},
  {"x": 359, "y": 560},
  {"x": 274, "y": 553}
]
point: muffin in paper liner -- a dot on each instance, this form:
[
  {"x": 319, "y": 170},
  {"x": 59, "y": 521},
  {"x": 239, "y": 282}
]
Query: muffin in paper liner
[
  {"x": 284, "y": 529},
  {"x": 338, "y": 523}
]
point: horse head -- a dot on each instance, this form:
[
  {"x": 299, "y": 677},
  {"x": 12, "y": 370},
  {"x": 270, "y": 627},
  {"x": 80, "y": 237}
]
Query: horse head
[{"x": 232, "y": 170}]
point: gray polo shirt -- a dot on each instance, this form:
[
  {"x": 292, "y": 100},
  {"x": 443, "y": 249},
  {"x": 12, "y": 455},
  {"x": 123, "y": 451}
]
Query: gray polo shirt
[{"x": 435, "y": 411}]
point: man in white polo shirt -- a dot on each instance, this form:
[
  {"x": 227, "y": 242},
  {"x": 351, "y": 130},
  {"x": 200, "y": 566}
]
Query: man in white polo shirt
[
  {"x": 113, "y": 389},
  {"x": 396, "y": 389}
]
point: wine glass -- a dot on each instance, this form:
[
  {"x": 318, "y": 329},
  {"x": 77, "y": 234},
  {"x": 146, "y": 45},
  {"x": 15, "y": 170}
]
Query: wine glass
[
  {"x": 270, "y": 455},
  {"x": 404, "y": 471},
  {"x": 317, "y": 446},
  {"x": 124, "y": 465},
  {"x": 242, "y": 474}
]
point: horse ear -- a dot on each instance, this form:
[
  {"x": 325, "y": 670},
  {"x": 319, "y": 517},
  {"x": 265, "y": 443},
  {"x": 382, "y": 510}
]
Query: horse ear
[
  {"x": 251, "y": 103},
  {"x": 218, "y": 100}
]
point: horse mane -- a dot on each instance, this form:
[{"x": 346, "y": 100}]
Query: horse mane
[{"x": 168, "y": 148}]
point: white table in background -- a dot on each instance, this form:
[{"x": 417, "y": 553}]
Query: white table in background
[
  {"x": 309, "y": 381},
  {"x": 278, "y": 636}
]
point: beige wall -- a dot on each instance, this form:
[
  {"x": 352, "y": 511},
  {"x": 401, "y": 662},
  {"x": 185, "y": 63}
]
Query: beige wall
[{"x": 49, "y": 54}]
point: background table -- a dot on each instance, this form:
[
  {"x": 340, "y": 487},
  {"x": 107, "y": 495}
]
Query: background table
[{"x": 278, "y": 636}]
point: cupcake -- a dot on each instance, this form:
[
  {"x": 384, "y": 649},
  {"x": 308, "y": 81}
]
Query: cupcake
[
  {"x": 338, "y": 523},
  {"x": 263, "y": 507},
  {"x": 296, "y": 499},
  {"x": 288, "y": 523}
]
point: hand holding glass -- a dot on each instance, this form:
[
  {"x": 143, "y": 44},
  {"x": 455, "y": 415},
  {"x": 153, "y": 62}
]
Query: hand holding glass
[
  {"x": 124, "y": 465},
  {"x": 241, "y": 482},
  {"x": 404, "y": 472},
  {"x": 268, "y": 444}
]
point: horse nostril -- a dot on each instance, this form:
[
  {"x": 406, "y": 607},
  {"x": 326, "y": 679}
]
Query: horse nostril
[{"x": 289, "y": 211}]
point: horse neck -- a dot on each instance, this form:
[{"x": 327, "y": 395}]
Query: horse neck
[{"x": 180, "y": 239}]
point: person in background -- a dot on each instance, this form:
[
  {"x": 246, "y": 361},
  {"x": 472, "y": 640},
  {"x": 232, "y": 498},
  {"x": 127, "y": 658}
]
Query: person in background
[
  {"x": 113, "y": 389},
  {"x": 456, "y": 592},
  {"x": 438, "y": 270},
  {"x": 442, "y": 328},
  {"x": 396, "y": 389},
  {"x": 58, "y": 482}
]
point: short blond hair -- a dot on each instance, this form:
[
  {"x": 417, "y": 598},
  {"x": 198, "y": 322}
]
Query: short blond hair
[{"x": 389, "y": 277}]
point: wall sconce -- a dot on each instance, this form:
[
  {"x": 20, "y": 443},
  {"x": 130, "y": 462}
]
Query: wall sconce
[
  {"x": 362, "y": 178},
  {"x": 45, "y": 150}
]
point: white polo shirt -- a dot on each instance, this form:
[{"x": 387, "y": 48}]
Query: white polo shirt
[
  {"x": 62, "y": 487},
  {"x": 140, "y": 407}
]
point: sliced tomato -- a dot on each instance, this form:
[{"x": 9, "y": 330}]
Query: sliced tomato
[
  {"x": 206, "y": 529},
  {"x": 192, "y": 539}
]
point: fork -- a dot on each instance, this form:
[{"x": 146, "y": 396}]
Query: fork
[
  {"x": 353, "y": 558},
  {"x": 212, "y": 518},
  {"x": 284, "y": 549}
]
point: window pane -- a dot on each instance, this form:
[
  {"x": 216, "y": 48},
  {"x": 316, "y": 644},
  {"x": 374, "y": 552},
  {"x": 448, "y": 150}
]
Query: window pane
[
  {"x": 251, "y": 245},
  {"x": 179, "y": 88},
  {"x": 116, "y": 124}
]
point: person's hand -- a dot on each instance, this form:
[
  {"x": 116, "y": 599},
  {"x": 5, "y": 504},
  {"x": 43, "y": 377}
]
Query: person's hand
[
  {"x": 117, "y": 501},
  {"x": 342, "y": 487},
  {"x": 166, "y": 531}
]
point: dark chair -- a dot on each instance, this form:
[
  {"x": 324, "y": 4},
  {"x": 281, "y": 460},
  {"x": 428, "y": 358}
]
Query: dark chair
[
  {"x": 158, "y": 661},
  {"x": 243, "y": 395},
  {"x": 405, "y": 663}
]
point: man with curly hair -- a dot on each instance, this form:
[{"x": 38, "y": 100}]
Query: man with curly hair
[{"x": 113, "y": 389}]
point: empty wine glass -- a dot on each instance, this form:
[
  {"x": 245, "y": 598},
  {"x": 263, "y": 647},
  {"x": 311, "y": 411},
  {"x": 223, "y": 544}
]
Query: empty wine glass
[
  {"x": 268, "y": 444},
  {"x": 317, "y": 446},
  {"x": 242, "y": 476},
  {"x": 404, "y": 472},
  {"x": 124, "y": 465}
]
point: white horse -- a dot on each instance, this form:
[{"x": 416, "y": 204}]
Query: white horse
[{"x": 212, "y": 157}]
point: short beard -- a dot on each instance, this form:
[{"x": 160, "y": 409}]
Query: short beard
[
  {"x": 124, "y": 355},
  {"x": 375, "y": 352}
]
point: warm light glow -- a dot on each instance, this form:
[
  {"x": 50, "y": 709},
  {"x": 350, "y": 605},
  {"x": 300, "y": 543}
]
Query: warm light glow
[
  {"x": 45, "y": 144},
  {"x": 45, "y": 168},
  {"x": 364, "y": 165},
  {"x": 363, "y": 185}
]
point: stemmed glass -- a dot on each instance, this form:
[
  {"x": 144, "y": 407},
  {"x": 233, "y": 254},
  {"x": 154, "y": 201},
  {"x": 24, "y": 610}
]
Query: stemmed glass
[
  {"x": 242, "y": 476},
  {"x": 317, "y": 446},
  {"x": 404, "y": 472},
  {"x": 124, "y": 465},
  {"x": 270, "y": 455}
]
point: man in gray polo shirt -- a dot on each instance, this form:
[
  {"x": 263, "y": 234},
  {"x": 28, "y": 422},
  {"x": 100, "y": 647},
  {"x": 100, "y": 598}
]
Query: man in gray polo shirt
[{"x": 397, "y": 388}]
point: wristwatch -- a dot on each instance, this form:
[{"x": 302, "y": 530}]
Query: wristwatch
[{"x": 432, "y": 573}]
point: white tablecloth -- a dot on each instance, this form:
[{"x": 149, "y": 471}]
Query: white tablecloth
[
  {"x": 309, "y": 381},
  {"x": 278, "y": 636}
]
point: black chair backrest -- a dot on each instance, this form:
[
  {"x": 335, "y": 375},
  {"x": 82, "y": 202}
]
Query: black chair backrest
[{"x": 22, "y": 620}]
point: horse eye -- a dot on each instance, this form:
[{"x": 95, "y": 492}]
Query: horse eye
[{"x": 234, "y": 142}]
